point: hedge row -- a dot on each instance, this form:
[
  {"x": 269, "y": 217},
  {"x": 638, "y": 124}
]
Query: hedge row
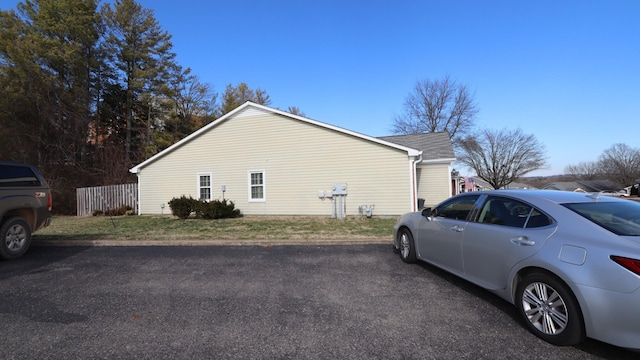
[{"x": 183, "y": 207}]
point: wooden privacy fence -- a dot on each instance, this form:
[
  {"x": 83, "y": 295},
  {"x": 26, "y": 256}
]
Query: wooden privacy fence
[{"x": 105, "y": 198}]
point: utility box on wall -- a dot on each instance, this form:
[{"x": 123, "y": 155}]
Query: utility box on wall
[
  {"x": 339, "y": 192},
  {"x": 339, "y": 189}
]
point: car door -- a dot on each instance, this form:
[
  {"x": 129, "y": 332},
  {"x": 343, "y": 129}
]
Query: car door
[
  {"x": 439, "y": 236},
  {"x": 505, "y": 232}
]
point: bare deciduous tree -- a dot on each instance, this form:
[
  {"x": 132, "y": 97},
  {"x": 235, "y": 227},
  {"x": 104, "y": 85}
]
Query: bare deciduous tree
[
  {"x": 585, "y": 170},
  {"x": 437, "y": 106},
  {"x": 192, "y": 97},
  {"x": 501, "y": 157},
  {"x": 621, "y": 164}
]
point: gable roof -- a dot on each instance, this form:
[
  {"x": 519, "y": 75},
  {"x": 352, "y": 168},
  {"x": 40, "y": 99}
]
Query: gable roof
[
  {"x": 434, "y": 146},
  {"x": 250, "y": 108}
]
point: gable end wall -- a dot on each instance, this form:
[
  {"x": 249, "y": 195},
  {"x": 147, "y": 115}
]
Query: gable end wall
[{"x": 299, "y": 161}]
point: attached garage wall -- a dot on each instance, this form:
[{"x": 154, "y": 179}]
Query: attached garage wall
[{"x": 433, "y": 183}]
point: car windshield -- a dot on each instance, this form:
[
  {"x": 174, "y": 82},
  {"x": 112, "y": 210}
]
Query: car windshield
[{"x": 621, "y": 218}]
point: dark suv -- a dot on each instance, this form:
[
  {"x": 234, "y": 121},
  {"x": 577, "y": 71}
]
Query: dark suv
[{"x": 25, "y": 206}]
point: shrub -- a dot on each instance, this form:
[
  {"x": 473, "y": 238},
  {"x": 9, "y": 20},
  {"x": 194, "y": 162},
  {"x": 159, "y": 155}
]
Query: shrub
[
  {"x": 183, "y": 206},
  {"x": 125, "y": 210},
  {"x": 122, "y": 210},
  {"x": 216, "y": 209}
]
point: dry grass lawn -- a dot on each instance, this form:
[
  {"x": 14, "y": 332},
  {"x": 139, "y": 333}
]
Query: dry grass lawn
[{"x": 244, "y": 228}]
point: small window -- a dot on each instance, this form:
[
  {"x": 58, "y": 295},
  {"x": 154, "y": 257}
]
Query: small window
[
  {"x": 538, "y": 219},
  {"x": 205, "y": 186},
  {"x": 256, "y": 186}
]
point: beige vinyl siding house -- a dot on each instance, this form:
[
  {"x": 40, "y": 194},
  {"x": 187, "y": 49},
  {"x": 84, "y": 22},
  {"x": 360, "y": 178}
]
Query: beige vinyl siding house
[{"x": 270, "y": 162}]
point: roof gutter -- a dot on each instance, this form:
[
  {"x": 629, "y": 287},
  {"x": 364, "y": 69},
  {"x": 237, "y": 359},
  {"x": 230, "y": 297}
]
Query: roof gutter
[{"x": 419, "y": 158}]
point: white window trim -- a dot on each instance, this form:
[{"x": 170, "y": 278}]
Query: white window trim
[
  {"x": 198, "y": 187},
  {"x": 264, "y": 185}
]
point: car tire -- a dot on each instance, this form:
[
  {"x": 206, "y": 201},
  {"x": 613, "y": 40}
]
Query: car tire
[
  {"x": 15, "y": 234},
  {"x": 549, "y": 309},
  {"x": 407, "y": 247}
]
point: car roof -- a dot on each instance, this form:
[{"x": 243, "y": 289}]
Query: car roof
[
  {"x": 556, "y": 196},
  {"x": 14, "y": 163}
]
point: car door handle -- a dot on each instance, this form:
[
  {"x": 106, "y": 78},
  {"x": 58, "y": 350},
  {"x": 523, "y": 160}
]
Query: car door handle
[
  {"x": 456, "y": 228},
  {"x": 523, "y": 241}
]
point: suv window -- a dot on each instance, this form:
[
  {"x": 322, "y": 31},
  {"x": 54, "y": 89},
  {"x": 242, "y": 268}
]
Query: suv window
[
  {"x": 457, "y": 208},
  {"x": 11, "y": 175}
]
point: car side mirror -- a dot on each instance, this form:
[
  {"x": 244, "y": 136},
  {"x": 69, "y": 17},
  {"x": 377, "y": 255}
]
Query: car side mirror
[{"x": 426, "y": 212}]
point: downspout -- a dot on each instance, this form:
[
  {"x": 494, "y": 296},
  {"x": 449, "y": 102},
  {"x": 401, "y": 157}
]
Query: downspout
[
  {"x": 414, "y": 185},
  {"x": 137, "y": 172},
  {"x": 139, "y": 193}
]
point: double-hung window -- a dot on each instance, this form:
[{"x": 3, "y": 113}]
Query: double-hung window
[
  {"x": 205, "y": 186},
  {"x": 256, "y": 186}
]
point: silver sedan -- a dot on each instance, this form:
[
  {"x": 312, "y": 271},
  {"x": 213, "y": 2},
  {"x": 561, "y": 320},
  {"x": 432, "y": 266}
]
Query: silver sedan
[{"x": 570, "y": 262}]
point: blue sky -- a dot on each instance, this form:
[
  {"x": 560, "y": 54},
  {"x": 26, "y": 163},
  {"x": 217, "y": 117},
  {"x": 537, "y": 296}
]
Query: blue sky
[{"x": 565, "y": 71}]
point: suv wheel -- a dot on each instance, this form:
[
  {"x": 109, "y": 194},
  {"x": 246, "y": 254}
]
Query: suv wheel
[{"x": 15, "y": 236}]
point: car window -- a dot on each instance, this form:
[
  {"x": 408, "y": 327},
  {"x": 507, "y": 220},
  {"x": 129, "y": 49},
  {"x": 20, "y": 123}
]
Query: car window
[
  {"x": 457, "y": 208},
  {"x": 621, "y": 218},
  {"x": 538, "y": 219},
  {"x": 511, "y": 212}
]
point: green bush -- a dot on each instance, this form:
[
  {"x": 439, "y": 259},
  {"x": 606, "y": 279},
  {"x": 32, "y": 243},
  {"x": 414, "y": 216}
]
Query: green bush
[
  {"x": 183, "y": 206},
  {"x": 216, "y": 209}
]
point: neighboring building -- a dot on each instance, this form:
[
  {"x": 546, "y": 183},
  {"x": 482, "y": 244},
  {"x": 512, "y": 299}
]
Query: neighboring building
[
  {"x": 588, "y": 186},
  {"x": 270, "y": 162},
  {"x": 474, "y": 183},
  {"x": 518, "y": 186}
]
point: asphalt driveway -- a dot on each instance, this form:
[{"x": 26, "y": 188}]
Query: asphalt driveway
[{"x": 255, "y": 302}]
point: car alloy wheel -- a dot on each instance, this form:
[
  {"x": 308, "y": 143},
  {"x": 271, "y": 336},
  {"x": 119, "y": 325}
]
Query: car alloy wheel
[
  {"x": 550, "y": 309},
  {"x": 545, "y": 308},
  {"x": 407, "y": 247}
]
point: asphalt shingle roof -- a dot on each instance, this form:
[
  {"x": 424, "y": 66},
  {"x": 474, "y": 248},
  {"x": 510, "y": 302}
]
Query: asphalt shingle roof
[
  {"x": 433, "y": 145},
  {"x": 586, "y": 185}
]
